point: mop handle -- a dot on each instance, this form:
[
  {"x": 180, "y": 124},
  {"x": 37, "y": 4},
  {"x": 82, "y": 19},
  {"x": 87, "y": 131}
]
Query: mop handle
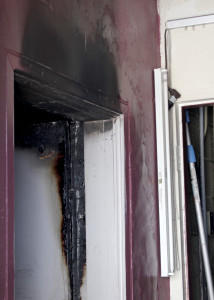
[{"x": 195, "y": 189}]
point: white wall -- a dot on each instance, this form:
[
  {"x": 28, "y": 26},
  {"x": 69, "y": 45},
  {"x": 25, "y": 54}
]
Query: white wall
[
  {"x": 191, "y": 61},
  {"x": 173, "y": 9},
  {"x": 40, "y": 268}
]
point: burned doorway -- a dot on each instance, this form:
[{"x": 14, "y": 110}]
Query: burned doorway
[
  {"x": 50, "y": 234},
  {"x": 49, "y": 204}
]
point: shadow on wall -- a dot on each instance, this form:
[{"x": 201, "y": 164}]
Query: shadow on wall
[{"x": 50, "y": 38}]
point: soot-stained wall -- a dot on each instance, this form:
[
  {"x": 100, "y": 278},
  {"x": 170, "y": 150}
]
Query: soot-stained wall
[{"x": 112, "y": 46}]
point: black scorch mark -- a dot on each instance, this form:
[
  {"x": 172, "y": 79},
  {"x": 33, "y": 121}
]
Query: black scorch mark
[{"x": 59, "y": 170}]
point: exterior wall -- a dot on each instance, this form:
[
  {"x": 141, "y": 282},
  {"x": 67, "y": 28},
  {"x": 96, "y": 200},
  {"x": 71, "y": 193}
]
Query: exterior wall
[{"x": 114, "y": 47}]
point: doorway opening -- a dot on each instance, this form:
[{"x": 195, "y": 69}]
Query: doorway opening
[
  {"x": 50, "y": 238},
  {"x": 202, "y": 136},
  {"x": 61, "y": 188}
]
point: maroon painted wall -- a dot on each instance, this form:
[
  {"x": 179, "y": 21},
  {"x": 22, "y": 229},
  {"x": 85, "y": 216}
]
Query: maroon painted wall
[{"x": 112, "y": 45}]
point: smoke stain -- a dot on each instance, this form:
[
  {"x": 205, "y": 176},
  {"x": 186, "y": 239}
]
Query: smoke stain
[{"x": 59, "y": 167}]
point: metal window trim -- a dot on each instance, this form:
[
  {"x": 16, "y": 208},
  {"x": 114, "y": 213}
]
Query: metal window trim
[
  {"x": 164, "y": 173},
  {"x": 194, "y": 21}
]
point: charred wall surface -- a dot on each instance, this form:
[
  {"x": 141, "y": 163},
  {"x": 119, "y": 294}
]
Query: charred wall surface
[{"x": 52, "y": 39}]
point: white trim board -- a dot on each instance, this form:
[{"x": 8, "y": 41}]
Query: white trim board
[
  {"x": 105, "y": 210},
  {"x": 164, "y": 174},
  {"x": 194, "y": 21}
]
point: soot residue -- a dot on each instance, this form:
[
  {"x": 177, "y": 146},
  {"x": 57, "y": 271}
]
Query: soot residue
[
  {"x": 59, "y": 169},
  {"x": 55, "y": 41}
]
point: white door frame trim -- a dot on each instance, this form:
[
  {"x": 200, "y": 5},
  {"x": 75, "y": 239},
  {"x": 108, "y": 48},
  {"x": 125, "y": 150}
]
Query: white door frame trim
[{"x": 105, "y": 195}]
